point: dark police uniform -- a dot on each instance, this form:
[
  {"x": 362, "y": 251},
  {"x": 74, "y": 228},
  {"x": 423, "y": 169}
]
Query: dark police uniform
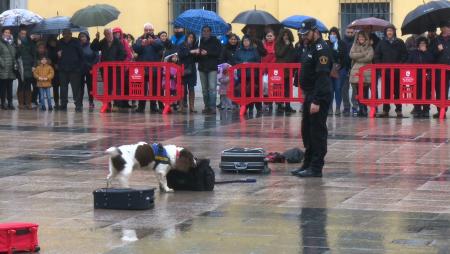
[{"x": 316, "y": 85}]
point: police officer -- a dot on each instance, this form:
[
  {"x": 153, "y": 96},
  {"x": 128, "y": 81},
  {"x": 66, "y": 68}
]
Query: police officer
[{"x": 316, "y": 85}]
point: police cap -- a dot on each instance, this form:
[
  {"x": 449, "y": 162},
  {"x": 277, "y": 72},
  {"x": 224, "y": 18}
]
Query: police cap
[{"x": 307, "y": 25}]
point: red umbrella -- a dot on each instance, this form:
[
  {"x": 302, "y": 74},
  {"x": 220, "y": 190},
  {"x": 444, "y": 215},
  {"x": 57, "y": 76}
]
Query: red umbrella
[{"x": 369, "y": 24}]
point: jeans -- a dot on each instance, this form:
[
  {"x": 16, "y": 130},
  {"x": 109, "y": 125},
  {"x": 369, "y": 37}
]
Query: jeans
[
  {"x": 74, "y": 78},
  {"x": 345, "y": 91},
  {"x": 43, "y": 93},
  {"x": 209, "y": 88},
  {"x": 337, "y": 88}
]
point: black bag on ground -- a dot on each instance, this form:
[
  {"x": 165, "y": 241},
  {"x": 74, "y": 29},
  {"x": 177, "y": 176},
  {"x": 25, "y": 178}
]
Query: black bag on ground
[
  {"x": 294, "y": 155},
  {"x": 200, "y": 178},
  {"x": 244, "y": 160},
  {"x": 124, "y": 199}
]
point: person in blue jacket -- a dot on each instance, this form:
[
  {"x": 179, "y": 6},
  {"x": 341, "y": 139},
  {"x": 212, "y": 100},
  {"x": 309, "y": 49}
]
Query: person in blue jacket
[
  {"x": 178, "y": 37},
  {"x": 249, "y": 54}
]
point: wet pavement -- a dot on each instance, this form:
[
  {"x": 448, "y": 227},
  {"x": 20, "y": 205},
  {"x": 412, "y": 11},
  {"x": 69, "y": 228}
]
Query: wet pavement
[{"x": 386, "y": 186}]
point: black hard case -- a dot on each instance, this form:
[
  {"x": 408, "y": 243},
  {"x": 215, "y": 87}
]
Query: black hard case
[{"x": 124, "y": 199}]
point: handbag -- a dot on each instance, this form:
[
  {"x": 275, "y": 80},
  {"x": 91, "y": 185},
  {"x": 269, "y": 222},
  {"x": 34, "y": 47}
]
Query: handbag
[{"x": 335, "y": 70}]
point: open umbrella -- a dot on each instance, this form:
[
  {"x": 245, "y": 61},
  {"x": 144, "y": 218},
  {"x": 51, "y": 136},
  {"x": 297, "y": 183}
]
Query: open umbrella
[
  {"x": 56, "y": 25},
  {"x": 296, "y": 21},
  {"x": 95, "y": 15},
  {"x": 195, "y": 19},
  {"x": 255, "y": 17},
  {"x": 369, "y": 24},
  {"x": 426, "y": 17},
  {"x": 19, "y": 17}
]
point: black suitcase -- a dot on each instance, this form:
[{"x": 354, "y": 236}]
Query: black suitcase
[
  {"x": 244, "y": 160},
  {"x": 124, "y": 199}
]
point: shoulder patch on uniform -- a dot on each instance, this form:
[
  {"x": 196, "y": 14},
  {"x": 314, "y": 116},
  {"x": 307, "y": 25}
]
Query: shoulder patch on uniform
[
  {"x": 323, "y": 60},
  {"x": 319, "y": 46}
]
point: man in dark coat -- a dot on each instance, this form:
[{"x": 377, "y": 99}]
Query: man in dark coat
[
  {"x": 208, "y": 59},
  {"x": 391, "y": 50},
  {"x": 441, "y": 52},
  {"x": 111, "y": 50},
  {"x": 149, "y": 49},
  {"x": 348, "y": 39},
  {"x": 70, "y": 63}
]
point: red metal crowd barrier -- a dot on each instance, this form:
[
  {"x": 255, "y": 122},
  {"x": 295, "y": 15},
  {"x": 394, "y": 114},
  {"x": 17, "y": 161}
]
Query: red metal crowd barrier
[
  {"x": 146, "y": 81},
  {"x": 263, "y": 82},
  {"x": 420, "y": 84}
]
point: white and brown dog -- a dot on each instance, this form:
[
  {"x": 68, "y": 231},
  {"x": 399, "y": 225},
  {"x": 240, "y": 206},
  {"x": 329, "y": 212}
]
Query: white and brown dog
[{"x": 126, "y": 158}]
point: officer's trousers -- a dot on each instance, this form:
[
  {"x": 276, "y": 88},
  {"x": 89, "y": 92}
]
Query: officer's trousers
[{"x": 314, "y": 134}]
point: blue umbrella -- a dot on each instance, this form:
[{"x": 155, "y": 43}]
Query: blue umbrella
[
  {"x": 56, "y": 25},
  {"x": 195, "y": 19},
  {"x": 296, "y": 21},
  {"x": 19, "y": 17}
]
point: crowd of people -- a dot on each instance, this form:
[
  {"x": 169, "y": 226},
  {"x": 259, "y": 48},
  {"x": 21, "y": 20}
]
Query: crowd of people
[{"x": 40, "y": 63}]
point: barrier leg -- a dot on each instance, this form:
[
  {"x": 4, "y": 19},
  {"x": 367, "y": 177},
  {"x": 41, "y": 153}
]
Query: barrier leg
[
  {"x": 243, "y": 109},
  {"x": 372, "y": 111},
  {"x": 105, "y": 107},
  {"x": 166, "y": 108},
  {"x": 442, "y": 112}
]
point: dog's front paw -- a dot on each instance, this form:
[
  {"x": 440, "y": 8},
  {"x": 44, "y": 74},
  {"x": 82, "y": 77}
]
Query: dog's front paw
[{"x": 168, "y": 190}]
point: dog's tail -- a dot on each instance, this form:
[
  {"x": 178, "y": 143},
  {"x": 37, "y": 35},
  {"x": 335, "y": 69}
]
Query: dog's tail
[{"x": 113, "y": 151}]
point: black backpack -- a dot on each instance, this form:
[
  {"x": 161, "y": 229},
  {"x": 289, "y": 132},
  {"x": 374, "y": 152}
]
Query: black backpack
[{"x": 201, "y": 178}]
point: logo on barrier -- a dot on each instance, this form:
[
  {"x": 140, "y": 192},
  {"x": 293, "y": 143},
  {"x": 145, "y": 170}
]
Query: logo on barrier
[
  {"x": 137, "y": 74},
  {"x": 276, "y": 83},
  {"x": 276, "y": 77},
  {"x": 408, "y": 77}
]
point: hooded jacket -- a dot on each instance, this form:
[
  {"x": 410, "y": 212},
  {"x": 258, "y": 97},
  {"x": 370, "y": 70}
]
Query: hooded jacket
[
  {"x": 126, "y": 46},
  {"x": 285, "y": 53},
  {"x": 44, "y": 71},
  {"x": 7, "y": 60},
  {"x": 247, "y": 55},
  {"x": 360, "y": 55},
  {"x": 340, "y": 54},
  {"x": 393, "y": 51},
  {"x": 90, "y": 58}
]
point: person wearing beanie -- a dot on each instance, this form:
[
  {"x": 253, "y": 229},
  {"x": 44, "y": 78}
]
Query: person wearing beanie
[{"x": 391, "y": 50}]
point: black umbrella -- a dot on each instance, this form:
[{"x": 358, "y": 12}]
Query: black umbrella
[
  {"x": 255, "y": 17},
  {"x": 426, "y": 17}
]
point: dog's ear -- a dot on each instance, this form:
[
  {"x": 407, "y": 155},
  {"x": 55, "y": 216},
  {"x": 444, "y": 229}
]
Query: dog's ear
[{"x": 185, "y": 160}]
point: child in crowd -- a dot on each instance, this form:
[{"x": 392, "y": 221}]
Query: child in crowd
[
  {"x": 224, "y": 80},
  {"x": 44, "y": 74},
  {"x": 173, "y": 58}
]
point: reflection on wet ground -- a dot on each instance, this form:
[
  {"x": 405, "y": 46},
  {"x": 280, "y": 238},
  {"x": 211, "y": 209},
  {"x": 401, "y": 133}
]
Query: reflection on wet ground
[{"x": 386, "y": 186}]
